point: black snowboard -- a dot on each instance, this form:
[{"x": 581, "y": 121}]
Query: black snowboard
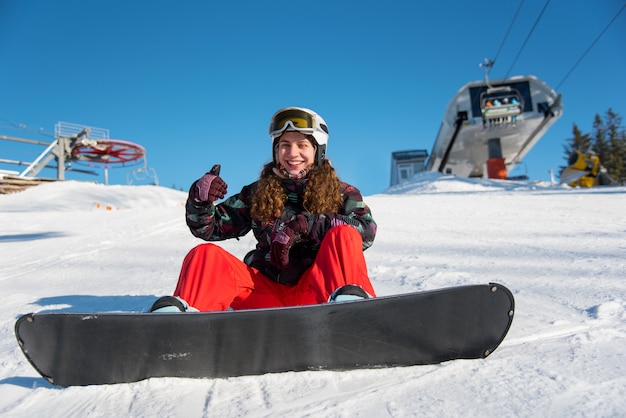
[{"x": 430, "y": 327}]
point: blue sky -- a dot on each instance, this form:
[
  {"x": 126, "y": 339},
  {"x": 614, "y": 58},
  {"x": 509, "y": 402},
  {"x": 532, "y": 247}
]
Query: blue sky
[{"x": 195, "y": 82}]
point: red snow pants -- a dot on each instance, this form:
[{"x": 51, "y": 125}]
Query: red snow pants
[{"x": 212, "y": 279}]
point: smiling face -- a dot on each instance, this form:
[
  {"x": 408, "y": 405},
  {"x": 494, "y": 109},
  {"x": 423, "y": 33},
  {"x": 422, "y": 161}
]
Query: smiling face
[{"x": 295, "y": 152}]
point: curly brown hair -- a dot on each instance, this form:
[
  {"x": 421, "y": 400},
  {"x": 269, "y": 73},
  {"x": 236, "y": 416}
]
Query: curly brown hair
[{"x": 322, "y": 193}]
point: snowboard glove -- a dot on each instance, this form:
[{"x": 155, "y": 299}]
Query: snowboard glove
[
  {"x": 208, "y": 188},
  {"x": 285, "y": 238}
]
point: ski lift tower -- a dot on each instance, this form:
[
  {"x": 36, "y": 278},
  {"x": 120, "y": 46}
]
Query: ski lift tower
[
  {"x": 80, "y": 144},
  {"x": 93, "y": 147}
]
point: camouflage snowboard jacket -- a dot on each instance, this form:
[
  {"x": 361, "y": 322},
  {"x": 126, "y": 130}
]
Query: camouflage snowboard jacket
[{"x": 232, "y": 219}]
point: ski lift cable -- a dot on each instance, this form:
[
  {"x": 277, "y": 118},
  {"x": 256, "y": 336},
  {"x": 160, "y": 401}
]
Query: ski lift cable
[
  {"x": 527, "y": 37},
  {"x": 9, "y": 124},
  {"x": 590, "y": 47},
  {"x": 508, "y": 32}
]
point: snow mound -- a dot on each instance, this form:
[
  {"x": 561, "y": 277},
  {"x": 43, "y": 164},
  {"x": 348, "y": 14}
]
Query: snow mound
[
  {"x": 78, "y": 196},
  {"x": 613, "y": 310},
  {"x": 434, "y": 182}
]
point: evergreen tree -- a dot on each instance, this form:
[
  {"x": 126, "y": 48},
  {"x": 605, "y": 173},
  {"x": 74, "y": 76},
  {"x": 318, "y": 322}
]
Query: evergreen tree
[
  {"x": 609, "y": 142},
  {"x": 579, "y": 141},
  {"x": 600, "y": 143}
]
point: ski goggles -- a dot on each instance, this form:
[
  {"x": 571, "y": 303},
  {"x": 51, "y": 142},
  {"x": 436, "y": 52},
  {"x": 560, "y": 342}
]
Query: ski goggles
[{"x": 292, "y": 119}]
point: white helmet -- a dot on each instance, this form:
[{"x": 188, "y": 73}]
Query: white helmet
[{"x": 301, "y": 120}]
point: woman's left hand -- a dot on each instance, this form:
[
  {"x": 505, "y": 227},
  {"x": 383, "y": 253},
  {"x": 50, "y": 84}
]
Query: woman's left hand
[{"x": 285, "y": 238}]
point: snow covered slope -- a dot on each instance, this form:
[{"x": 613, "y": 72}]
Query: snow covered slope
[{"x": 86, "y": 247}]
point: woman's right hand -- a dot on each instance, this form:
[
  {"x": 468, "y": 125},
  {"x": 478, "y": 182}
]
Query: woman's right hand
[{"x": 209, "y": 188}]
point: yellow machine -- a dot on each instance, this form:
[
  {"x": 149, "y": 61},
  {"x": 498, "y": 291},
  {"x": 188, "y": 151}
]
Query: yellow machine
[{"x": 585, "y": 171}]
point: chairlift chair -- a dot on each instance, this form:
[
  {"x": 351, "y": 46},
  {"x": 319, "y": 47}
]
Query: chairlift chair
[{"x": 501, "y": 103}]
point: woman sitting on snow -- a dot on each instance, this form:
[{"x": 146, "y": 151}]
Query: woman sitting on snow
[{"x": 311, "y": 230}]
